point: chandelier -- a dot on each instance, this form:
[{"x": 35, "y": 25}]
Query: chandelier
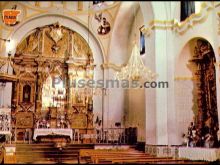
[{"x": 135, "y": 68}]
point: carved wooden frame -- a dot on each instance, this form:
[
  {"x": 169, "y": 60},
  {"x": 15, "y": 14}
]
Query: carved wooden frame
[{"x": 24, "y": 120}]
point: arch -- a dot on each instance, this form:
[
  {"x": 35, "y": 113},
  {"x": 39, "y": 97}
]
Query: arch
[
  {"x": 191, "y": 38},
  {"x": 44, "y": 19},
  {"x": 190, "y": 81},
  {"x": 119, "y": 52},
  {"x": 25, "y": 28}
]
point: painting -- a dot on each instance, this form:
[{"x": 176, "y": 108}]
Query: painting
[
  {"x": 26, "y": 93},
  {"x": 101, "y": 23}
]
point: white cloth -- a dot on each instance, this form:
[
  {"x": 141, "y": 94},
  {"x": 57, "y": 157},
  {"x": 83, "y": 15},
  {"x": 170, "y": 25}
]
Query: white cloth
[
  {"x": 197, "y": 153},
  {"x": 5, "y": 120},
  {"x": 54, "y": 131}
]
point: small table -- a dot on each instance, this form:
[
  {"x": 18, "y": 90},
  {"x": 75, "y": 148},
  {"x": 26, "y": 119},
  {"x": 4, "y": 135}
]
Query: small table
[{"x": 53, "y": 131}]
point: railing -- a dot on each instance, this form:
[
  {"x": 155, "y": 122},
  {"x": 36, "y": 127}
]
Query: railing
[
  {"x": 97, "y": 136},
  {"x": 103, "y": 136}
]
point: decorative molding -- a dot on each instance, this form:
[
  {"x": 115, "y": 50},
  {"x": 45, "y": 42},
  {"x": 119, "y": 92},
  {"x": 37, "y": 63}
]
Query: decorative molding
[
  {"x": 183, "y": 78},
  {"x": 77, "y": 12},
  {"x": 112, "y": 66},
  {"x": 180, "y": 27}
]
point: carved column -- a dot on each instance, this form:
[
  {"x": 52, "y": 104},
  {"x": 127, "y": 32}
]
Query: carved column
[
  {"x": 198, "y": 73},
  {"x": 205, "y": 85},
  {"x": 39, "y": 94},
  {"x": 67, "y": 87},
  {"x": 39, "y": 86}
]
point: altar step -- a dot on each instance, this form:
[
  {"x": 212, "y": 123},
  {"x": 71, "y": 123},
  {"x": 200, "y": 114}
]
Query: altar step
[{"x": 47, "y": 153}]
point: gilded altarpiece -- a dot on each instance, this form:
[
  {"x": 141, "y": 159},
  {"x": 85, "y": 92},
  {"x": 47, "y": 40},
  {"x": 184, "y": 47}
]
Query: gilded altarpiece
[
  {"x": 46, "y": 63},
  {"x": 202, "y": 65}
]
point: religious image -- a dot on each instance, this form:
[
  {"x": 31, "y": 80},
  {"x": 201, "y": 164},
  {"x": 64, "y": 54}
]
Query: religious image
[{"x": 102, "y": 23}]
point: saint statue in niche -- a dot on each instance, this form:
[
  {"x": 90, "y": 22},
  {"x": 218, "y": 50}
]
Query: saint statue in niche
[{"x": 26, "y": 93}]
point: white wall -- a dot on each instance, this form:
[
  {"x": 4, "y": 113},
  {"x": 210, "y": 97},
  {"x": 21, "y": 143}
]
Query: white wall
[
  {"x": 136, "y": 97},
  {"x": 183, "y": 91},
  {"x": 118, "y": 54}
]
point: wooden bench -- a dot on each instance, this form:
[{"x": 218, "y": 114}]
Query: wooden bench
[
  {"x": 98, "y": 156},
  {"x": 93, "y": 154},
  {"x": 125, "y": 156}
]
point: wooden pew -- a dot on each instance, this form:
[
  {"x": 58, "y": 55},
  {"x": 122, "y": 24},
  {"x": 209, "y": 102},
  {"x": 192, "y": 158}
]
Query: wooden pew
[
  {"x": 91, "y": 153},
  {"x": 130, "y": 159},
  {"x": 98, "y": 156},
  {"x": 125, "y": 156}
]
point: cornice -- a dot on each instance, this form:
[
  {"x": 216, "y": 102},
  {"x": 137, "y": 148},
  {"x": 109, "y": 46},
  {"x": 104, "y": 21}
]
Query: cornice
[{"x": 181, "y": 27}]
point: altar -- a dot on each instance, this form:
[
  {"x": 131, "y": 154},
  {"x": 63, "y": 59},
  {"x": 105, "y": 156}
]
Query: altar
[
  {"x": 53, "y": 132},
  {"x": 45, "y": 101}
]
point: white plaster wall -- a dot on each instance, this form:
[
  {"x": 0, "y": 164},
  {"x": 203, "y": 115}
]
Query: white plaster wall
[
  {"x": 119, "y": 54},
  {"x": 183, "y": 92},
  {"x": 149, "y": 60}
]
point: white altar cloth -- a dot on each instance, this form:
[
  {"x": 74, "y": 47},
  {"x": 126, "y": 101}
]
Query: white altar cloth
[
  {"x": 197, "y": 153},
  {"x": 52, "y": 131}
]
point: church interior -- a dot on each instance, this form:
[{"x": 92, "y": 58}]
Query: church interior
[{"x": 84, "y": 82}]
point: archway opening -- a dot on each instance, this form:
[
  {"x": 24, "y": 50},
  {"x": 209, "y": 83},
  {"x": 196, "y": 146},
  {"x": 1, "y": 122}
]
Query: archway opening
[
  {"x": 195, "y": 89},
  {"x": 50, "y": 58}
]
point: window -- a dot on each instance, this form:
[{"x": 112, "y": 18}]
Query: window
[
  {"x": 142, "y": 43},
  {"x": 97, "y": 2},
  {"x": 187, "y": 8}
]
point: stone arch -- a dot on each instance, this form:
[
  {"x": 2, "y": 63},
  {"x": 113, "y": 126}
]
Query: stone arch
[
  {"x": 29, "y": 25},
  {"x": 25, "y": 28},
  {"x": 188, "y": 88}
]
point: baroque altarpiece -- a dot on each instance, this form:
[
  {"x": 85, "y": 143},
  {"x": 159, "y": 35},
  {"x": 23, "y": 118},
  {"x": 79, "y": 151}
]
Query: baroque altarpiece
[
  {"x": 202, "y": 65},
  {"x": 45, "y": 66}
]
